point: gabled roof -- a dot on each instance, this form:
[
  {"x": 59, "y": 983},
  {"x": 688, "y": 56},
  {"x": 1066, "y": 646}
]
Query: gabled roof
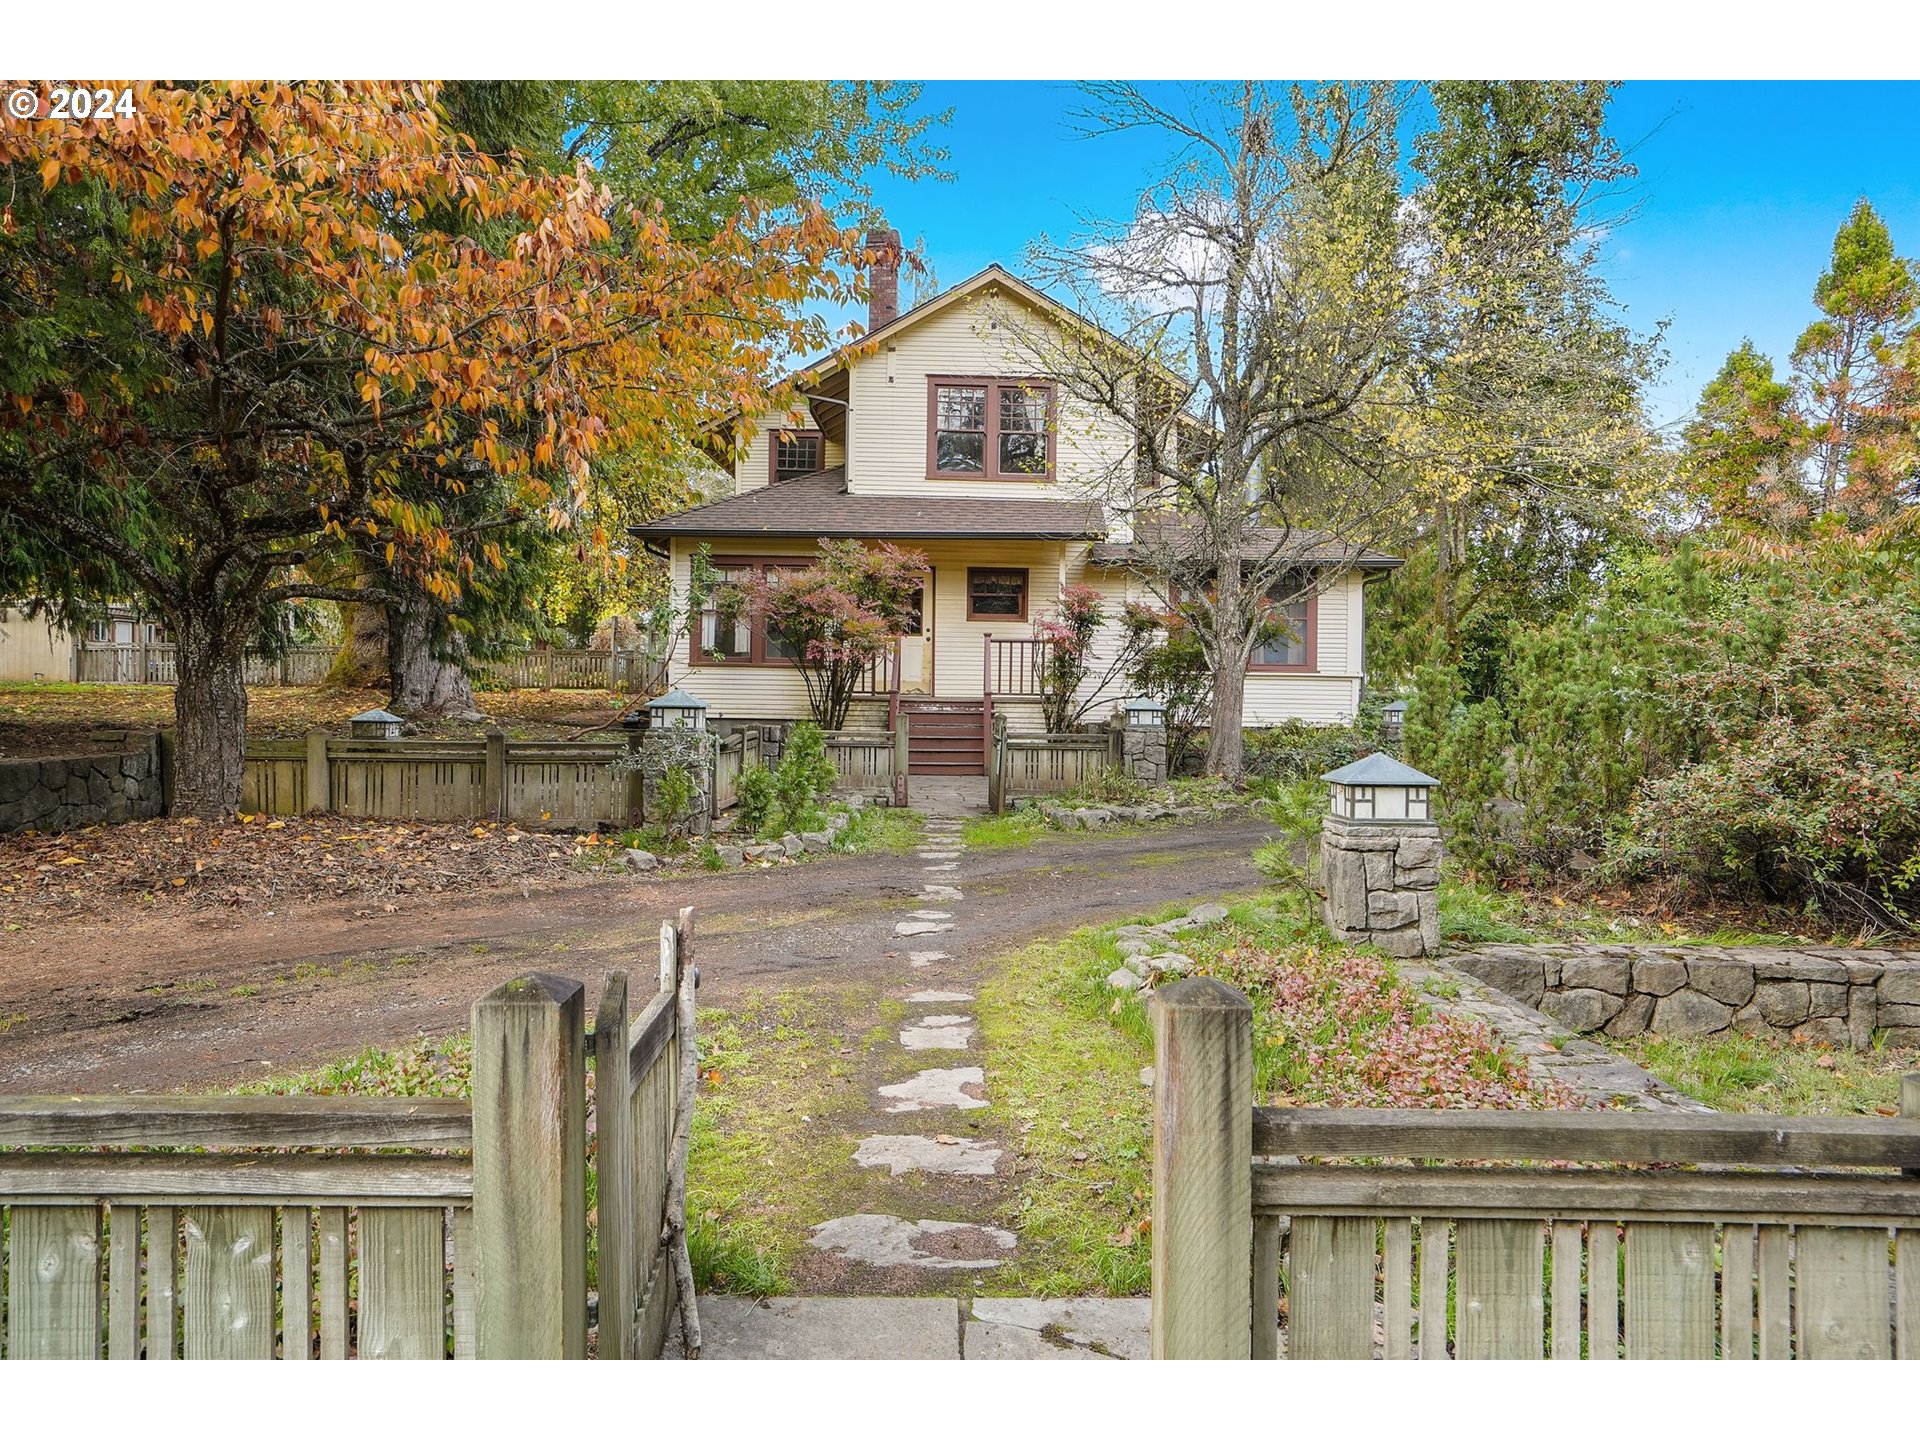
[{"x": 819, "y": 507}]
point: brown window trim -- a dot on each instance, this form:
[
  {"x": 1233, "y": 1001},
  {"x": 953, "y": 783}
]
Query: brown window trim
[
  {"x": 1312, "y": 662},
  {"x": 1026, "y": 590},
  {"x": 756, "y": 656},
  {"x": 994, "y": 384},
  {"x": 773, "y": 450}
]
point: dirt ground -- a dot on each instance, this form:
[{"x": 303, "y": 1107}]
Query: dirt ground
[{"x": 207, "y": 1000}]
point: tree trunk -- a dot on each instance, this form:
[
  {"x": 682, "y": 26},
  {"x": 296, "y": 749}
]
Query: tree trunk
[
  {"x": 210, "y": 717},
  {"x": 362, "y": 661},
  {"x": 1226, "y": 750},
  {"x": 423, "y": 684}
]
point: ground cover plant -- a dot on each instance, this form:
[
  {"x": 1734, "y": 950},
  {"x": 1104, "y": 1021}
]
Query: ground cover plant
[
  {"x": 1332, "y": 1026},
  {"x": 1774, "y": 1075}
]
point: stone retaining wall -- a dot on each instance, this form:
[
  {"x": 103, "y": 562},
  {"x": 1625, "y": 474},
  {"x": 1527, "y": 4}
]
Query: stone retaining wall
[
  {"x": 67, "y": 792},
  {"x": 1834, "y": 997}
]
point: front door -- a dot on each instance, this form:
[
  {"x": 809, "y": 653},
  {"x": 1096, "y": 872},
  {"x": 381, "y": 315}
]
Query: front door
[{"x": 916, "y": 647}]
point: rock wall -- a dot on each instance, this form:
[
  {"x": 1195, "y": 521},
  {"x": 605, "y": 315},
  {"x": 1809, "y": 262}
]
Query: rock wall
[
  {"x": 1143, "y": 751},
  {"x": 1833, "y": 997},
  {"x": 68, "y": 792},
  {"x": 1381, "y": 884}
]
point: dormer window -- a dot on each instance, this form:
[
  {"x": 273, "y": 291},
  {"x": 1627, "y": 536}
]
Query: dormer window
[
  {"x": 989, "y": 429},
  {"x": 796, "y": 453}
]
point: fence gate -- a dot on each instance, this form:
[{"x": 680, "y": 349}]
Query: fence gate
[{"x": 336, "y": 1227}]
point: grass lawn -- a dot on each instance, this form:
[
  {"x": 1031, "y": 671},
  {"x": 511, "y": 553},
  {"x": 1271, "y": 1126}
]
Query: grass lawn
[{"x": 1768, "y": 1074}]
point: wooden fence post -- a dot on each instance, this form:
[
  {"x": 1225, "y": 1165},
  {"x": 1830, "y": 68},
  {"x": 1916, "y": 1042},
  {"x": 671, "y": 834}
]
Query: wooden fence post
[
  {"x": 319, "y": 773},
  {"x": 495, "y": 782},
  {"x": 1910, "y": 1110},
  {"x": 1202, "y": 1172},
  {"x": 614, "y": 1162},
  {"x": 902, "y": 761},
  {"x": 530, "y": 1170}
]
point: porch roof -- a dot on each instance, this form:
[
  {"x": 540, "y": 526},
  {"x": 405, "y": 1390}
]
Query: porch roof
[{"x": 818, "y": 506}]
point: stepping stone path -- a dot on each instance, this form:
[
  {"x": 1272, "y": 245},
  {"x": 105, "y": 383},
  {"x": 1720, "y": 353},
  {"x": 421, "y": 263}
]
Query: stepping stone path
[{"x": 893, "y": 1241}]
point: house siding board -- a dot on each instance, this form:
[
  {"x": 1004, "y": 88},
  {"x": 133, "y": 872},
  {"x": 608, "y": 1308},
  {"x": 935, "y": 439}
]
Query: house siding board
[
  {"x": 32, "y": 648},
  {"x": 754, "y": 469},
  {"x": 888, "y": 420}
]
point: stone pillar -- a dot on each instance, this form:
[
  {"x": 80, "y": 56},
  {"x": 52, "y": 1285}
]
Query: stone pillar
[
  {"x": 692, "y": 749},
  {"x": 1382, "y": 884},
  {"x": 1143, "y": 750}
]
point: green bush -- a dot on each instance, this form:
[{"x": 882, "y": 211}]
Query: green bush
[
  {"x": 804, "y": 775},
  {"x": 1299, "y": 751},
  {"x": 1109, "y": 785},
  {"x": 674, "y": 793},
  {"x": 755, "y": 798}
]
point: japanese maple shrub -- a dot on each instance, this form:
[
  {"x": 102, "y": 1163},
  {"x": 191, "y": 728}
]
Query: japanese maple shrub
[{"x": 838, "y": 616}]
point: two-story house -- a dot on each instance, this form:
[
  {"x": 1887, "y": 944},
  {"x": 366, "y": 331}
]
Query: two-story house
[{"x": 942, "y": 432}]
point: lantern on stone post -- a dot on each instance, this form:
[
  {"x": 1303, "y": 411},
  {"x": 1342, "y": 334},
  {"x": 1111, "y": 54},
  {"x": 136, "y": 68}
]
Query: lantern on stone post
[
  {"x": 677, "y": 710},
  {"x": 375, "y": 725},
  {"x": 1142, "y": 739},
  {"x": 1380, "y": 855},
  {"x": 1393, "y": 721}
]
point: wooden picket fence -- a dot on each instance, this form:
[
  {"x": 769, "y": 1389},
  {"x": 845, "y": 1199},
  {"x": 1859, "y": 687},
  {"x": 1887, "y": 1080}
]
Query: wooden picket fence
[
  {"x": 734, "y": 753},
  {"x": 1761, "y": 1236},
  {"x": 1028, "y": 763},
  {"x": 873, "y": 763},
  {"x": 166, "y": 1227},
  {"x": 136, "y": 664},
  {"x": 563, "y": 783}
]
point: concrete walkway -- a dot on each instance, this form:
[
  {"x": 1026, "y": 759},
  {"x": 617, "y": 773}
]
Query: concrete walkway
[
  {"x": 948, "y": 796},
  {"x": 893, "y": 1328}
]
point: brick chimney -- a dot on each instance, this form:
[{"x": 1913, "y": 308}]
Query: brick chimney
[{"x": 883, "y": 277}]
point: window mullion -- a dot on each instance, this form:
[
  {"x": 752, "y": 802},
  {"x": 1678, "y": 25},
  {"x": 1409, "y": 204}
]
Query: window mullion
[{"x": 992, "y": 468}]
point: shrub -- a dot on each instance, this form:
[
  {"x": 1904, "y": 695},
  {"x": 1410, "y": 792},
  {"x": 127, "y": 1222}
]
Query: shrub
[
  {"x": 755, "y": 798},
  {"x": 1109, "y": 785},
  {"x": 1299, "y": 751},
  {"x": 675, "y": 793},
  {"x": 805, "y": 774}
]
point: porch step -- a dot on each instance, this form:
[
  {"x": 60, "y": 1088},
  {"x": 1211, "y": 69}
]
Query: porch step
[{"x": 945, "y": 737}]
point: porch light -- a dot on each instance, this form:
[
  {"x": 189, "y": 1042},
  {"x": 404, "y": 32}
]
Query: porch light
[
  {"x": 1379, "y": 790},
  {"x": 375, "y": 725},
  {"x": 1142, "y": 710},
  {"x": 677, "y": 710}
]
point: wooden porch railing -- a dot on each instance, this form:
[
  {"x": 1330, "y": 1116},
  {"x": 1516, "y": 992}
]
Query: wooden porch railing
[{"x": 1016, "y": 669}]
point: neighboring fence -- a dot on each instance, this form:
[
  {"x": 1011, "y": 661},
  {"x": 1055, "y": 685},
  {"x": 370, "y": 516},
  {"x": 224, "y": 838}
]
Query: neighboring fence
[
  {"x": 558, "y": 669},
  {"x": 546, "y": 782},
  {"x": 134, "y": 664},
  {"x": 1744, "y": 1257},
  {"x": 1022, "y": 764},
  {"x": 290, "y": 1227},
  {"x": 873, "y": 763},
  {"x": 562, "y": 669}
]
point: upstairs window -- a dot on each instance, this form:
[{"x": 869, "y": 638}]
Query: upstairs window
[
  {"x": 796, "y": 453},
  {"x": 985, "y": 429}
]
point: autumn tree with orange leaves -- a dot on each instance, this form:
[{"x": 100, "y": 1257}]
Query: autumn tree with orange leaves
[{"x": 233, "y": 335}]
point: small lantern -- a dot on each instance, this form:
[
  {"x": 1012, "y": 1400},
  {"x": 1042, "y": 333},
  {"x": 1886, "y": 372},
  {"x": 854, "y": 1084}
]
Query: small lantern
[
  {"x": 1145, "y": 712},
  {"x": 1393, "y": 714},
  {"x": 1379, "y": 790},
  {"x": 677, "y": 710},
  {"x": 376, "y": 725}
]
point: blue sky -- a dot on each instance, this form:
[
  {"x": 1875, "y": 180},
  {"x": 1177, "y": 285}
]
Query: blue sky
[{"x": 1742, "y": 185}]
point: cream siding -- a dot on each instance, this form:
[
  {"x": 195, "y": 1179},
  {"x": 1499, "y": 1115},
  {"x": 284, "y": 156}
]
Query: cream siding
[
  {"x": 33, "y": 649},
  {"x": 887, "y": 422},
  {"x": 751, "y": 470}
]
